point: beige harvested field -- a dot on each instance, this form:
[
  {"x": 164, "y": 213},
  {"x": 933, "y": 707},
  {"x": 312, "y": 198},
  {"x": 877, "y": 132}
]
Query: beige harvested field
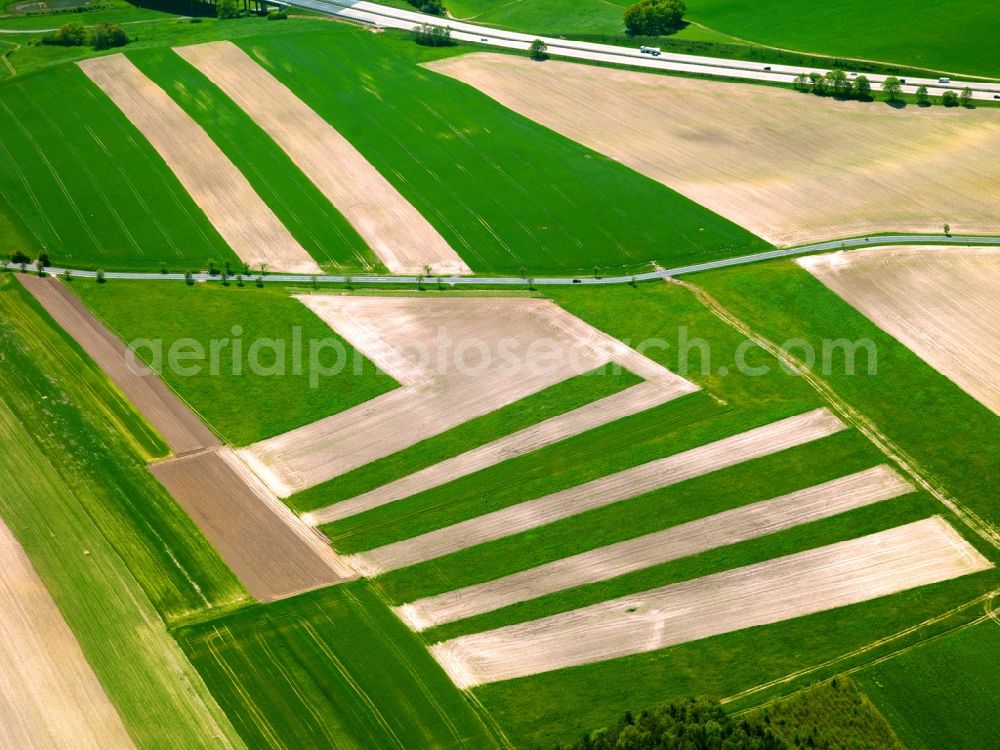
[
  {"x": 601, "y": 564},
  {"x": 941, "y": 302},
  {"x": 663, "y": 472},
  {"x": 218, "y": 188},
  {"x": 270, "y": 550},
  {"x": 456, "y": 358},
  {"x": 398, "y": 234},
  {"x": 816, "y": 580},
  {"x": 182, "y": 430},
  {"x": 49, "y": 695},
  {"x": 638, "y": 398},
  {"x": 791, "y": 168}
]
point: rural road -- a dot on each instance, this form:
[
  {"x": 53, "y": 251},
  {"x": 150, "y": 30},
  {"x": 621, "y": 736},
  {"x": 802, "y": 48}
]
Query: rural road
[
  {"x": 899, "y": 239},
  {"x": 380, "y": 15}
]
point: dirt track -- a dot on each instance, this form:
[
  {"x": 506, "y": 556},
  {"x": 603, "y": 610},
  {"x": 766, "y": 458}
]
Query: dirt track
[
  {"x": 49, "y": 695},
  {"x": 816, "y": 580},
  {"x": 641, "y": 397},
  {"x": 176, "y": 423},
  {"x": 791, "y": 168},
  {"x": 729, "y": 527},
  {"x": 273, "y": 553},
  {"x": 456, "y": 358},
  {"x": 633, "y": 482},
  {"x": 941, "y": 302},
  {"x": 398, "y": 234},
  {"x": 218, "y": 188}
]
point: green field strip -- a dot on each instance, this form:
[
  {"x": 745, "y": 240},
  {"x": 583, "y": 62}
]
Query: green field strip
[
  {"x": 111, "y": 547},
  {"x": 88, "y": 186},
  {"x": 548, "y": 17},
  {"x": 298, "y": 204},
  {"x": 333, "y": 668},
  {"x": 851, "y": 525},
  {"x": 503, "y": 191},
  {"x": 560, "y": 706},
  {"x": 241, "y": 405},
  {"x": 958, "y": 712},
  {"x": 951, "y": 436},
  {"x": 760, "y": 479},
  {"x": 681, "y": 424},
  {"x": 560, "y": 398}
]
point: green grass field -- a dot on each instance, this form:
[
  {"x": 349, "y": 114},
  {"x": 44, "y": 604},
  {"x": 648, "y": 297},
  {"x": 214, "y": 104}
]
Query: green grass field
[
  {"x": 112, "y": 548},
  {"x": 80, "y": 183},
  {"x": 504, "y": 191},
  {"x": 942, "y": 693},
  {"x": 297, "y": 203},
  {"x": 261, "y": 384},
  {"x": 333, "y": 668}
]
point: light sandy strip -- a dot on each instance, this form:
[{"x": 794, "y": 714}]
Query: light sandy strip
[
  {"x": 400, "y": 236},
  {"x": 942, "y": 302},
  {"x": 245, "y": 222},
  {"x": 632, "y": 400},
  {"x": 729, "y": 527},
  {"x": 457, "y": 358},
  {"x": 761, "y": 441},
  {"x": 816, "y": 580},
  {"x": 49, "y": 695}
]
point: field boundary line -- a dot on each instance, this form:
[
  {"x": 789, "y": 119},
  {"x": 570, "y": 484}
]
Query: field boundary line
[{"x": 850, "y": 415}]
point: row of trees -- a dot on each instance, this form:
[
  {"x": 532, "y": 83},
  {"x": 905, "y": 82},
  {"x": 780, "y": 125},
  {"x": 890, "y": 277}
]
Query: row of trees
[
  {"x": 837, "y": 83},
  {"x": 101, "y": 36},
  {"x": 654, "y": 17},
  {"x": 432, "y": 36}
]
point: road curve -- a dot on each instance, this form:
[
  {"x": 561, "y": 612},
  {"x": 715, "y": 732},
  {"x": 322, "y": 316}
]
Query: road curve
[
  {"x": 380, "y": 15},
  {"x": 855, "y": 242}
]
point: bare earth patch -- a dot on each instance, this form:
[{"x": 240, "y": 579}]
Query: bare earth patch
[
  {"x": 176, "y": 423},
  {"x": 398, "y": 234},
  {"x": 245, "y": 222},
  {"x": 792, "y": 168},
  {"x": 49, "y": 695},
  {"x": 816, "y": 580},
  {"x": 601, "y": 564},
  {"x": 663, "y": 472},
  {"x": 632, "y": 400},
  {"x": 456, "y": 358},
  {"x": 942, "y": 302}
]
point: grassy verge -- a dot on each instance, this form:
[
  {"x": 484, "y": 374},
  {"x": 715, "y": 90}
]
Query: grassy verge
[
  {"x": 552, "y": 401},
  {"x": 111, "y": 547},
  {"x": 261, "y": 384},
  {"x": 930, "y": 712},
  {"x": 86, "y": 188},
  {"x": 333, "y": 668},
  {"x": 297, "y": 203}
]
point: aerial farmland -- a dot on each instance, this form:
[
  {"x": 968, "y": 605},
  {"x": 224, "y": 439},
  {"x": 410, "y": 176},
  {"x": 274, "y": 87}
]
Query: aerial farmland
[{"x": 426, "y": 374}]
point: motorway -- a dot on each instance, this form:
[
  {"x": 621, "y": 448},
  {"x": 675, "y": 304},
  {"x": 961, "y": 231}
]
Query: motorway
[
  {"x": 831, "y": 246},
  {"x": 386, "y": 17}
]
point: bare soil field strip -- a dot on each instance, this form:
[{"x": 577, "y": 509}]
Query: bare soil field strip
[
  {"x": 398, "y": 234},
  {"x": 789, "y": 167},
  {"x": 941, "y": 302},
  {"x": 264, "y": 543},
  {"x": 49, "y": 695},
  {"x": 761, "y": 441},
  {"x": 632, "y": 400},
  {"x": 245, "y": 222},
  {"x": 729, "y": 527},
  {"x": 916, "y": 554},
  {"x": 182, "y": 430},
  {"x": 456, "y": 358}
]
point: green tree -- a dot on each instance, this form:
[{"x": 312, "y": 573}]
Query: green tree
[
  {"x": 189, "y": 278},
  {"x": 227, "y": 9},
  {"x": 818, "y": 84},
  {"x": 947, "y": 230},
  {"x": 654, "y": 17},
  {"x": 965, "y": 98},
  {"x": 801, "y": 82},
  {"x": 108, "y": 35},
  {"x": 949, "y": 99},
  {"x": 837, "y": 83},
  {"x": 891, "y": 87},
  {"x": 538, "y": 50},
  {"x": 71, "y": 35},
  {"x": 99, "y": 276},
  {"x": 862, "y": 88},
  {"x": 922, "y": 98}
]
